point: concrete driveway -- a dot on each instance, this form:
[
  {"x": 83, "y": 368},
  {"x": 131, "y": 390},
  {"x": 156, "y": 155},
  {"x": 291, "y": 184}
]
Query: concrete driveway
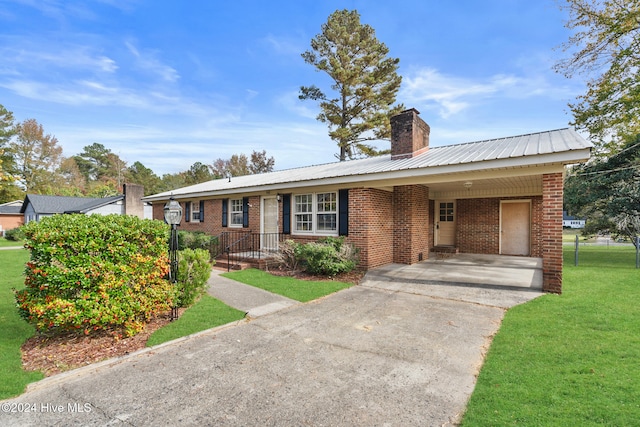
[{"x": 368, "y": 355}]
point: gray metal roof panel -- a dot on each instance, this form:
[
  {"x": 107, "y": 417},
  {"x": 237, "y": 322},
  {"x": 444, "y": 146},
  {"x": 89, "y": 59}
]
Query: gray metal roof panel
[{"x": 549, "y": 142}]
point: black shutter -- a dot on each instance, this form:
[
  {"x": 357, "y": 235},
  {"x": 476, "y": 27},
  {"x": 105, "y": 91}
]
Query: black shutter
[
  {"x": 343, "y": 212},
  {"x": 187, "y": 211},
  {"x": 225, "y": 214},
  {"x": 245, "y": 212},
  {"x": 286, "y": 213},
  {"x": 201, "y": 210}
]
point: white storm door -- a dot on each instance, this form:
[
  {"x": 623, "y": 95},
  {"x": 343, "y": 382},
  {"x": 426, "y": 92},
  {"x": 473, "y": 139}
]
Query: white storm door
[{"x": 269, "y": 236}]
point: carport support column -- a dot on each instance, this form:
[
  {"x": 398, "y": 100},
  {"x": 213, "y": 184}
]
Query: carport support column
[
  {"x": 411, "y": 223},
  {"x": 552, "y": 194}
]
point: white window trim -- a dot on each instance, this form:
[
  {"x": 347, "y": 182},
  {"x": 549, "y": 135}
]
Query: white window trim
[
  {"x": 314, "y": 215},
  {"x": 195, "y": 208},
  {"x": 231, "y": 212}
]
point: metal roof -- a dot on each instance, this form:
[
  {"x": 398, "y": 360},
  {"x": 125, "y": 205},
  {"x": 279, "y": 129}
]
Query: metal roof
[{"x": 531, "y": 149}]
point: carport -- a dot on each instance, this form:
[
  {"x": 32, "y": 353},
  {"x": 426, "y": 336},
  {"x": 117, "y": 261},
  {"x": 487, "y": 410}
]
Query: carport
[{"x": 496, "y": 280}]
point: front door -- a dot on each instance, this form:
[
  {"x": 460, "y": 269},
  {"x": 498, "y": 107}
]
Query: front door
[
  {"x": 445, "y": 223},
  {"x": 515, "y": 227},
  {"x": 269, "y": 236}
]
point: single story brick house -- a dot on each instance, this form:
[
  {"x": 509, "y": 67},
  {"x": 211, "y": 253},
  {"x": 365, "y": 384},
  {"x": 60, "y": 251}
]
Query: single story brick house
[
  {"x": 10, "y": 216},
  {"x": 500, "y": 196}
]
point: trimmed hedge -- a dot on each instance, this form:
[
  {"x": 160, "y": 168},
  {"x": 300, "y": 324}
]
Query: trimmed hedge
[{"x": 93, "y": 272}]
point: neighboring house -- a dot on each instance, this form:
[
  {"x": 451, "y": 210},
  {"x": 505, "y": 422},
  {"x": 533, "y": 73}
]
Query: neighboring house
[
  {"x": 569, "y": 221},
  {"x": 36, "y": 206},
  {"x": 500, "y": 196},
  {"x": 10, "y": 216}
]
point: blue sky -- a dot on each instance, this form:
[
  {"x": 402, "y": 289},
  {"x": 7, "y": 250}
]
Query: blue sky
[{"x": 171, "y": 83}]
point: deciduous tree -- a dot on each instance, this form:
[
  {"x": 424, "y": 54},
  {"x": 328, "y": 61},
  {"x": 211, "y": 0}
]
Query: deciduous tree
[
  {"x": 607, "y": 192},
  {"x": 260, "y": 163},
  {"x": 7, "y": 131},
  {"x": 365, "y": 83},
  {"x": 37, "y": 157},
  {"x": 605, "y": 48}
]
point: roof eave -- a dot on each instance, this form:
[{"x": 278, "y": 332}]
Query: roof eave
[{"x": 559, "y": 159}]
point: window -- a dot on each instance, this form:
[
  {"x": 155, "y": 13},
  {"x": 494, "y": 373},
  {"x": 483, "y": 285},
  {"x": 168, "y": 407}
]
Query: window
[
  {"x": 235, "y": 213},
  {"x": 195, "y": 211},
  {"x": 316, "y": 213},
  {"x": 446, "y": 212}
]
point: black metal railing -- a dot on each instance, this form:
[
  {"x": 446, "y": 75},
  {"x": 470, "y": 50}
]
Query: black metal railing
[{"x": 242, "y": 246}]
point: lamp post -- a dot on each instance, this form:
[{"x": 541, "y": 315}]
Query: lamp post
[{"x": 172, "y": 216}]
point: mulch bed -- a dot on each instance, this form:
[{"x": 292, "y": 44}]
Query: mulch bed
[{"x": 54, "y": 354}]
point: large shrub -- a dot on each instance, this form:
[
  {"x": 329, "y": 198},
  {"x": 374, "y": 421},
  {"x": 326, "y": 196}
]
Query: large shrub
[
  {"x": 329, "y": 256},
  {"x": 93, "y": 272},
  {"x": 15, "y": 234},
  {"x": 194, "y": 269},
  {"x": 198, "y": 240}
]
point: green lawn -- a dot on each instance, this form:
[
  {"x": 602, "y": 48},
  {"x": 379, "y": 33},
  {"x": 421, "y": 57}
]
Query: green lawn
[
  {"x": 9, "y": 243},
  {"x": 570, "y": 359},
  {"x": 205, "y": 314},
  {"x": 299, "y": 290},
  {"x": 13, "y": 330}
]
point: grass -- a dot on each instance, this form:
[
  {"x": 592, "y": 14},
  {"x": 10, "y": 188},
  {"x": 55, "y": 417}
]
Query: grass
[
  {"x": 299, "y": 290},
  {"x": 4, "y": 243},
  {"x": 15, "y": 330},
  {"x": 207, "y": 313},
  {"x": 569, "y": 359}
]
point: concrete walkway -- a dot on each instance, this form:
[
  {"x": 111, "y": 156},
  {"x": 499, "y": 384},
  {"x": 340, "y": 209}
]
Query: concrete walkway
[{"x": 253, "y": 301}]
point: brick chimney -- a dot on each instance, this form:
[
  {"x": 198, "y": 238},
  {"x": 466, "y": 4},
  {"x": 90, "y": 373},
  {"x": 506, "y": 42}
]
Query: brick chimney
[
  {"x": 133, "y": 194},
  {"x": 409, "y": 135}
]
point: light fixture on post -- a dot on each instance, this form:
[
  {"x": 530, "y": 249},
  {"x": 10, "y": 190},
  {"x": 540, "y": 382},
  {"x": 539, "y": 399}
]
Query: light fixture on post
[
  {"x": 173, "y": 216},
  {"x": 467, "y": 185}
]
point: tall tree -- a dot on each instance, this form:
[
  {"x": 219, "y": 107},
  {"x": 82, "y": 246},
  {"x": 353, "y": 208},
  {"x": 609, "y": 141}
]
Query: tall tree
[
  {"x": 239, "y": 165},
  {"x": 72, "y": 182},
  {"x": 365, "y": 82},
  {"x": 100, "y": 167},
  {"x": 7, "y": 131},
  {"x": 607, "y": 192},
  {"x": 197, "y": 173},
  {"x": 606, "y": 49},
  {"x": 260, "y": 163},
  {"x": 138, "y": 173},
  {"x": 37, "y": 157}
]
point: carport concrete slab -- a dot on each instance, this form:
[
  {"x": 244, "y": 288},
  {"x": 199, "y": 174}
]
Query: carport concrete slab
[
  {"x": 495, "y": 280},
  {"x": 362, "y": 356}
]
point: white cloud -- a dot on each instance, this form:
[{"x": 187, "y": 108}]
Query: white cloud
[
  {"x": 450, "y": 95},
  {"x": 283, "y": 45},
  {"x": 147, "y": 61}
]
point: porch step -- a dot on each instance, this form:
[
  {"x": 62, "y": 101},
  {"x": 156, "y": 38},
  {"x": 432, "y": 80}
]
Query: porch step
[
  {"x": 445, "y": 249},
  {"x": 260, "y": 264},
  {"x": 235, "y": 265},
  {"x": 444, "y": 252}
]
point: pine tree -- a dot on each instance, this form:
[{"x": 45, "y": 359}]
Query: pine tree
[{"x": 365, "y": 82}]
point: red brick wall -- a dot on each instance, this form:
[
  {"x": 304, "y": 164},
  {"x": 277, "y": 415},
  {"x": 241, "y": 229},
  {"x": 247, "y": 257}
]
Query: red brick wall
[
  {"x": 371, "y": 225},
  {"x": 552, "y": 194},
  {"x": 478, "y": 225},
  {"x": 411, "y": 234}
]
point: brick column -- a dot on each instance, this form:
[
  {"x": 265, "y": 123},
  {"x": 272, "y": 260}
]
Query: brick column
[
  {"x": 552, "y": 193},
  {"x": 411, "y": 223}
]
